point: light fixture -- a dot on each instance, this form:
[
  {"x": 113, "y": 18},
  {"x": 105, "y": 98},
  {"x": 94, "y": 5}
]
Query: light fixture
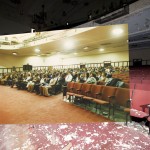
[
  {"x": 101, "y": 49},
  {"x": 85, "y": 47},
  {"x": 37, "y": 50},
  {"x": 117, "y": 31},
  {"x": 75, "y": 53},
  {"x": 14, "y": 53},
  {"x": 69, "y": 44}
]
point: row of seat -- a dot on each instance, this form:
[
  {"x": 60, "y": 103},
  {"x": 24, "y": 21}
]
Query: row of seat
[
  {"x": 112, "y": 97},
  {"x": 140, "y": 81},
  {"x": 140, "y": 86},
  {"x": 99, "y": 94},
  {"x": 139, "y": 105},
  {"x": 140, "y": 77}
]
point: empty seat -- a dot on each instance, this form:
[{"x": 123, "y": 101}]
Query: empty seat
[
  {"x": 104, "y": 99},
  {"x": 121, "y": 98},
  {"x": 94, "y": 92},
  {"x": 139, "y": 104},
  {"x": 83, "y": 91},
  {"x": 70, "y": 86},
  {"x": 75, "y": 90}
]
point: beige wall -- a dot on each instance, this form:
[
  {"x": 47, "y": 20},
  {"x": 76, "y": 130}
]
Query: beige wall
[
  {"x": 10, "y": 61},
  {"x": 113, "y": 57}
]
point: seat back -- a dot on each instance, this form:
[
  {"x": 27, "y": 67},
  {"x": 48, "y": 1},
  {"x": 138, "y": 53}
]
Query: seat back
[
  {"x": 108, "y": 91},
  {"x": 95, "y": 89},
  {"x": 139, "y": 98},
  {"x": 77, "y": 87},
  {"x": 70, "y": 86},
  {"x": 85, "y": 87},
  {"x": 122, "y": 95}
]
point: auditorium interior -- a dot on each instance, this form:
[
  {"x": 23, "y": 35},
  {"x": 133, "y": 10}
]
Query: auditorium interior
[{"x": 75, "y": 81}]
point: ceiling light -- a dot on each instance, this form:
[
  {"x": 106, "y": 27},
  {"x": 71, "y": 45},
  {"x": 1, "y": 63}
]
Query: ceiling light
[
  {"x": 101, "y": 49},
  {"x": 117, "y": 31},
  {"x": 75, "y": 53},
  {"x": 37, "y": 50},
  {"x": 14, "y": 53},
  {"x": 85, "y": 47},
  {"x": 69, "y": 44}
]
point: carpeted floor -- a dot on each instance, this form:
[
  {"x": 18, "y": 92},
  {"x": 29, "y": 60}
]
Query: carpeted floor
[
  {"x": 22, "y": 107},
  {"x": 72, "y": 136}
]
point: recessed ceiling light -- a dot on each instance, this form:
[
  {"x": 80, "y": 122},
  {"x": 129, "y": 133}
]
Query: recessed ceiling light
[
  {"x": 75, "y": 53},
  {"x": 101, "y": 49},
  {"x": 37, "y": 50},
  {"x": 117, "y": 31},
  {"x": 69, "y": 44},
  {"x": 85, "y": 47},
  {"x": 14, "y": 53}
]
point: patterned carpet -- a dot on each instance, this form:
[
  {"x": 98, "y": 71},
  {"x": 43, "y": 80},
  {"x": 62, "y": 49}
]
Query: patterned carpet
[{"x": 72, "y": 136}]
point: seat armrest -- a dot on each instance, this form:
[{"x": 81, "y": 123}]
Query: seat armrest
[
  {"x": 98, "y": 94},
  {"x": 111, "y": 98},
  {"x": 78, "y": 91},
  {"x": 70, "y": 89}
]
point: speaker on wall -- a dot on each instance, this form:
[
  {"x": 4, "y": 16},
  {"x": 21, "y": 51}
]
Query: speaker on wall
[{"x": 27, "y": 67}]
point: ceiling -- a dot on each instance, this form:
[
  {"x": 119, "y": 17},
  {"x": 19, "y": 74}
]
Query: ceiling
[
  {"x": 67, "y": 43},
  {"x": 45, "y": 15}
]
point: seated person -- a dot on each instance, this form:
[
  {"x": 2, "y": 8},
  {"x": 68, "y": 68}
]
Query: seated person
[
  {"x": 46, "y": 82},
  {"x": 91, "y": 79},
  {"x": 46, "y": 87},
  {"x": 30, "y": 86},
  {"x": 4, "y": 79},
  {"x": 68, "y": 77},
  {"x": 14, "y": 80},
  {"x": 25, "y": 81},
  {"x": 40, "y": 83}
]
